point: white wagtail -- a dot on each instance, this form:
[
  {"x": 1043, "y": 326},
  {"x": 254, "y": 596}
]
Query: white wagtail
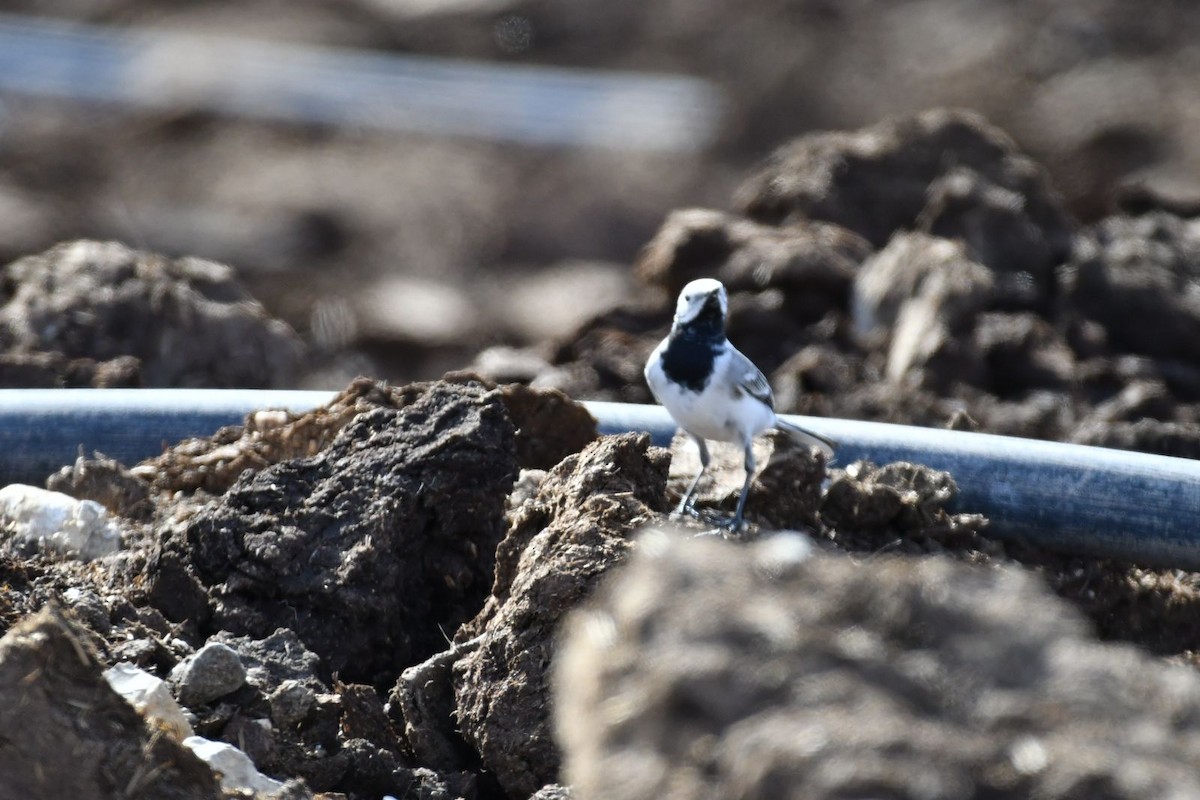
[{"x": 713, "y": 391}]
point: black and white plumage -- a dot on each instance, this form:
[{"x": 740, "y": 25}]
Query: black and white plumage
[{"x": 713, "y": 391}]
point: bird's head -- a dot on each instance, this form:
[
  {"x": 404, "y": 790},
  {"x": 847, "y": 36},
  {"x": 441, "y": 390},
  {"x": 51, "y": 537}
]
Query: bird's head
[{"x": 703, "y": 301}]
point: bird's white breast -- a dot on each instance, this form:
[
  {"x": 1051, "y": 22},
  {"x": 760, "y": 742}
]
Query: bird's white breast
[{"x": 719, "y": 411}]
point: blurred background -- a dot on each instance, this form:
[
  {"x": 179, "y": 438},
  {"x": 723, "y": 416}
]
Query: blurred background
[{"x": 404, "y": 214}]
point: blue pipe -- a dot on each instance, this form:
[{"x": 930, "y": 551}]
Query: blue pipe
[
  {"x": 1087, "y": 500},
  {"x": 42, "y": 430},
  {"x": 529, "y": 104},
  {"x": 1067, "y": 497}
]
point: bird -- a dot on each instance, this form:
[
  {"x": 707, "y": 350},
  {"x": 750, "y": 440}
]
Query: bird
[{"x": 712, "y": 391}]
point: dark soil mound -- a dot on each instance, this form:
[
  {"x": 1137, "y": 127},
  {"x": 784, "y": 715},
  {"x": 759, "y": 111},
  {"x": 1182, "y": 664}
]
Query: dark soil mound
[
  {"x": 707, "y": 670},
  {"x": 557, "y": 546},
  {"x": 372, "y": 550},
  {"x": 93, "y": 313}
]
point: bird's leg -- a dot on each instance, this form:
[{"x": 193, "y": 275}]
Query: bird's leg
[
  {"x": 736, "y": 522},
  {"x": 687, "y": 504}
]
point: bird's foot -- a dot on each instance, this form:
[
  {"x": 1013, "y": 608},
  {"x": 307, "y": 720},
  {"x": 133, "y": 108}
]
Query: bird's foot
[
  {"x": 716, "y": 525},
  {"x": 726, "y": 528},
  {"x": 734, "y": 524}
]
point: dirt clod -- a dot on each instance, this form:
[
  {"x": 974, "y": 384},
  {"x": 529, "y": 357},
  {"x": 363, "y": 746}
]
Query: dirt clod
[
  {"x": 105, "y": 481},
  {"x": 705, "y": 670},
  {"x": 813, "y": 261},
  {"x": 558, "y": 545},
  {"x": 68, "y": 734},
  {"x": 1131, "y": 270},
  {"x": 53, "y": 370},
  {"x": 550, "y": 426},
  {"x": 373, "y": 549},
  {"x": 881, "y": 179},
  {"x": 899, "y": 506},
  {"x": 188, "y": 322}
]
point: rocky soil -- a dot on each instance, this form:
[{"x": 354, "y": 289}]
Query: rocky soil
[
  {"x": 456, "y": 589},
  {"x": 361, "y": 621}
]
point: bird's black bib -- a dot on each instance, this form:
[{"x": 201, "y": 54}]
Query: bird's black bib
[{"x": 693, "y": 348}]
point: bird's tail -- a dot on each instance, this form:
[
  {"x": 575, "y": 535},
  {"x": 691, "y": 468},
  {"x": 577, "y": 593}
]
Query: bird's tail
[{"x": 805, "y": 436}]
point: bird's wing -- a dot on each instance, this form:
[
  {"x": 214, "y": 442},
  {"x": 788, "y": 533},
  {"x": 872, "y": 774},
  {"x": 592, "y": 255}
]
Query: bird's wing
[
  {"x": 656, "y": 377},
  {"x": 749, "y": 377}
]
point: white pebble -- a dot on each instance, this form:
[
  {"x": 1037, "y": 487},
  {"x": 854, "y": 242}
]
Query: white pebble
[
  {"x": 77, "y": 528},
  {"x": 150, "y": 697},
  {"x": 234, "y": 768}
]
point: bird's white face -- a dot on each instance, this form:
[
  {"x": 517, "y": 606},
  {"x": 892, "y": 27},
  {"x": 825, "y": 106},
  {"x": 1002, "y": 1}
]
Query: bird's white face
[{"x": 695, "y": 295}]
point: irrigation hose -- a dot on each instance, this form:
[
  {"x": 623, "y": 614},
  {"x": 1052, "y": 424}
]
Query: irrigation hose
[
  {"x": 1071, "y": 498},
  {"x": 149, "y": 68}
]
